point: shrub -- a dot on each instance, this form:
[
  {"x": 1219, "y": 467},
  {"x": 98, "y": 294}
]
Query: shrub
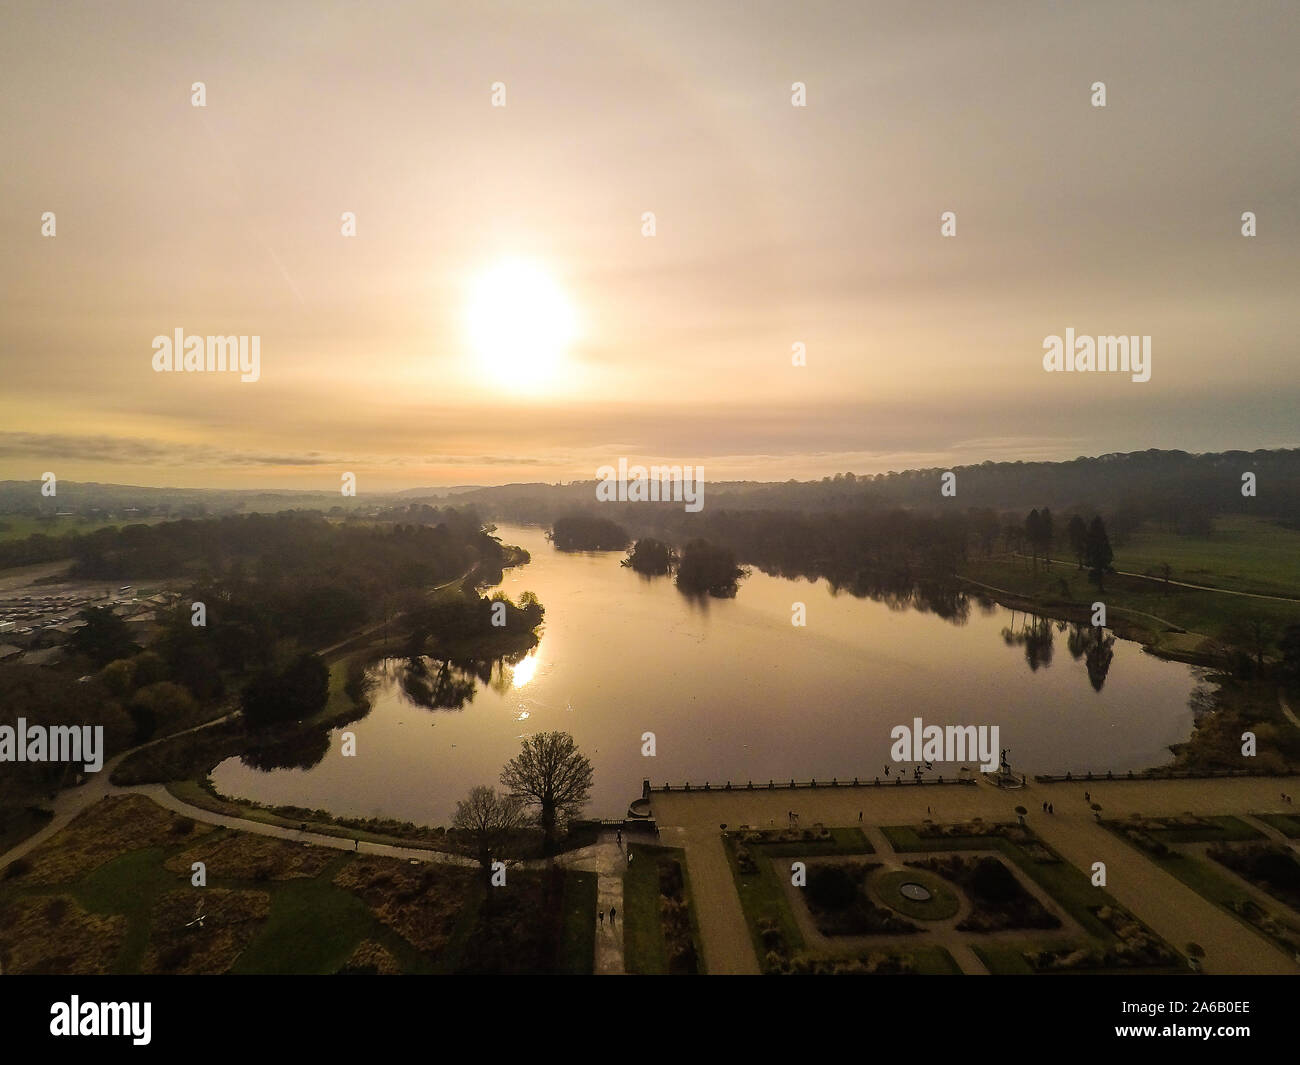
[
  {"x": 18, "y": 867},
  {"x": 831, "y": 887}
]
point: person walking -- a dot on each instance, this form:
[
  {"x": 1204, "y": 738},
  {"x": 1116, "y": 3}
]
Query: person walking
[
  {"x": 1087, "y": 797},
  {"x": 859, "y": 817},
  {"x": 620, "y": 837},
  {"x": 612, "y": 911},
  {"x": 602, "y": 920},
  {"x": 1050, "y": 808}
]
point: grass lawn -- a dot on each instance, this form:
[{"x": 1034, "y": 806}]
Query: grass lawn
[
  {"x": 14, "y": 527},
  {"x": 313, "y": 928},
  {"x": 1143, "y": 609},
  {"x": 645, "y": 946},
  {"x": 128, "y": 885},
  {"x": 578, "y": 941},
  {"x": 762, "y": 897},
  {"x": 842, "y": 841},
  {"x": 1224, "y": 828},
  {"x": 1242, "y": 553},
  {"x": 1287, "y": 824},
  {"x": 942, "y": 903},
  {"x": 1003, "y": 959},
  {"x": 934, "y": 961}
]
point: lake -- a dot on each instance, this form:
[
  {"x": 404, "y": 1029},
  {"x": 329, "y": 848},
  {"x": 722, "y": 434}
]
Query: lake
[{"x": 732, "y": 690}]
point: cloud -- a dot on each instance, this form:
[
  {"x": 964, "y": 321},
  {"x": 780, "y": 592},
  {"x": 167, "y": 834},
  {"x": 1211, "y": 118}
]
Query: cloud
[{"x": 131, "y": 451}]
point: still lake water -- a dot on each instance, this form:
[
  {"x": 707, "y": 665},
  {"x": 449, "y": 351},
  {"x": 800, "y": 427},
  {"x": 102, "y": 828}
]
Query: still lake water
[{"x": 732, "y": 690}]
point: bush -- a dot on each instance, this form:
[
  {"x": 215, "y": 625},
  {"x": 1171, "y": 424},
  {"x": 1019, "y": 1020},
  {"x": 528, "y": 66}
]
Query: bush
[
  {"x": 18, "y": 867},
  {"x": 831, "y": 887},
  {"x": 992, "y": 881},
  {"x": 295, "y": 693}
]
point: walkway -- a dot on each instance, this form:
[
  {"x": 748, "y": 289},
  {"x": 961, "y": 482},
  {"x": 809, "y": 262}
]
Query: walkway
[
  {"x": 691, "y": 820},
  {"x": 607, "y": 858}
]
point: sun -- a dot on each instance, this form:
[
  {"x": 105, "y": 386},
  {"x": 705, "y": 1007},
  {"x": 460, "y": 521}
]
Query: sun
[{"x": 520, "y": 323}]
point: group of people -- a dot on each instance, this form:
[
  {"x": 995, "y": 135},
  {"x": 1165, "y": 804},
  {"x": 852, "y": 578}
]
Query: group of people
[{"x": 612, "y": 912}]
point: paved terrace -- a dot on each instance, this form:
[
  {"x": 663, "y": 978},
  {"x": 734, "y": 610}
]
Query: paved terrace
[{"x": 692, "y": 820}]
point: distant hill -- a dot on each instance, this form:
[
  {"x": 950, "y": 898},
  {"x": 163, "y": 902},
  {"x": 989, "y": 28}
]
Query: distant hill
[{"x": 1172, "y": 486}]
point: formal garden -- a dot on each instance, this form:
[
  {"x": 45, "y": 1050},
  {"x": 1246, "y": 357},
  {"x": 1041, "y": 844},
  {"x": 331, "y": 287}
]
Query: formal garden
[
  {"x": 1230, "y": 863},
  {"x": 824, "y": 900}
]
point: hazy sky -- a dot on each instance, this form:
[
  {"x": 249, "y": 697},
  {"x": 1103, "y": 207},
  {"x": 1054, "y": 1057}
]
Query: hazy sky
[{"x": 775, "y": 224}]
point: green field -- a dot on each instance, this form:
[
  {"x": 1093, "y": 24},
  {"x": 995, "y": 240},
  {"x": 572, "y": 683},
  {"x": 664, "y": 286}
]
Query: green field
[
  {"x": 15, "y": 527},
  {"x": 1242, "y": 554},
  {"x": 1175, "y": 621}
]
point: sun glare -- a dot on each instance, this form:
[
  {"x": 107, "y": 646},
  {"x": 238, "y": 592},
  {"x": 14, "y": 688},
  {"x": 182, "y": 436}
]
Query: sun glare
[
  {"x": 524, "y": 671},
  {"x": 520, "y": 323}
]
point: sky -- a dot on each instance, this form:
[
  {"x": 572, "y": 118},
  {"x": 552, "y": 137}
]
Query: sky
[{"x": 501, "y": 314}]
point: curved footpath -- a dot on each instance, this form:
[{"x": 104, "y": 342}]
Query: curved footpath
[{"x": 691, "y": 821}]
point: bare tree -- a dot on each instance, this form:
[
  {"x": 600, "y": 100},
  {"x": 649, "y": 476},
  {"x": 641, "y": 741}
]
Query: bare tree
[
  {"x": 551, "y": 774},
  {"x": 488, "y": 818}
]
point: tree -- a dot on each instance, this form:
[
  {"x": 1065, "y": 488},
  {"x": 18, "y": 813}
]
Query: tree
[
  {"x": 531, "y": 607},
  {"x": 487, "y": 818},
  {"x": 118, "y": 676},
  {"x": 706, "y": 567},
  {"x": 1077, "y": 532},
  {"x": 1097, "y": 552},
  {"x": 552, "y": 775},
  {"x": 1252, "y": 634},
  {"x": 103, "y": 638},
  {"x": 1034, "y": 533},
  {"x": 1046, "y": 534},
  {"x": 292, "y": 694},
  {"x": 651, "y": 556},
  {"x": 163, "y": 703},
  {"x": 1289, "y": 645}
]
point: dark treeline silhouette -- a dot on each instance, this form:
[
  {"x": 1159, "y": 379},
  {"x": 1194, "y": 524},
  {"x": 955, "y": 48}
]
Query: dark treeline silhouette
[
  {"x": 432, "y": 545},
  {"x": 293, "y": 543},
  {"x": 588, "y": 532},
  {"x": 1174, "y": 488}
]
